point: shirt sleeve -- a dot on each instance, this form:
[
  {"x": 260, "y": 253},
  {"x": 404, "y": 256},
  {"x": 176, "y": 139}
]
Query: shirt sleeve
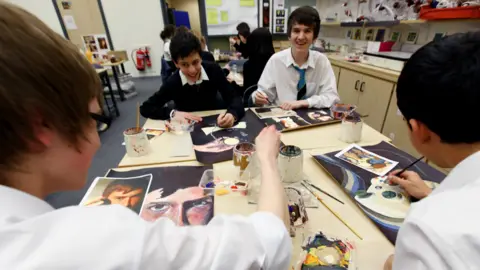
[
  {"x": 227, "y": 242},
  {"x": 154, "y": 107},
  {"x": 266, "y": 84},
  {"x": 326, "y": 94},
  {"x": 419, "y": 247},
  {"x": 229, "y": 95}
]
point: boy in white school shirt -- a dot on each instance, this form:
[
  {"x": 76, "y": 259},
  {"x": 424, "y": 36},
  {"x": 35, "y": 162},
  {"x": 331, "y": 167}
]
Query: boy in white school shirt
[
  {"x": 298, "y": 77},
  {"x": 48, "y": 108},
  {"x": 438, "y": 93}
]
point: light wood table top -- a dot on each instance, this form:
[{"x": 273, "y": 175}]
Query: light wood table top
[
  {"x": 109, "y": 64},
  {"x": 372, "y": 251},
  {"x": 309, "y": 138},
  {"x": 100, "y": 70}
]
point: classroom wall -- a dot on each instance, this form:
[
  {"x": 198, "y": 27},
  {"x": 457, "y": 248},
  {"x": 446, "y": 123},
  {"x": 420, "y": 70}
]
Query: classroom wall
[
  {"x": 44, "y": 10},
  {"x": 133, "y": 25},
  {"x": 190, "y": 6}
]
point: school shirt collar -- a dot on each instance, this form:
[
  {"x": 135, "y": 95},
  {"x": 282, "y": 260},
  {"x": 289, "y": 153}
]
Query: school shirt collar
[
  {"x": 203, "y": 77},
  {"x": 289, "y": 61},
  {"x": 465, "y": 173},
  {"x": 16, "y": 205}
]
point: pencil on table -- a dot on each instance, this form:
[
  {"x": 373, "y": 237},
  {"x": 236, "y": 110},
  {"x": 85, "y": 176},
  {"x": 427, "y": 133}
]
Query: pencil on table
[{"x": 138, "y": 117}]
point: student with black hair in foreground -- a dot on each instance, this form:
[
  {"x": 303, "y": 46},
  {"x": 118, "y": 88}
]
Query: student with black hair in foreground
[
  {"x": 442, "y": 231},
  {"x": 260, "y": 44},
  {"x": 195, "y": 87},
  {"x": 298, "y": 77},
  {"x": 240, "y": 42}
]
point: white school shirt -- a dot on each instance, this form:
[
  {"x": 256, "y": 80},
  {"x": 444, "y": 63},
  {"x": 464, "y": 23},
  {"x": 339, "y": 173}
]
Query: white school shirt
[
  {"x": 442, "y": 231},
  {"x": 166, "y": 51},
  {"x": 35, "y": 236},
  {"x": 279, "y": 80}
]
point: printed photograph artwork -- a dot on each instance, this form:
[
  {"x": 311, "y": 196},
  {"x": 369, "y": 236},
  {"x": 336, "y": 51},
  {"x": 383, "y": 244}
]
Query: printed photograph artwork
[
  {"x": 285, "y": 123},
  {"x": 380, "y": 35},
  {"x": 412, "y": 37},
  {"x": 129, "y": 192},
  {"x": 213, "y": 144},
  {"x": 395, "y": 36},
  {"x": 386, "y": 204},
  {"x": 358, "y": 34},
  {"x": 273, "y": 112},
  {"x": 366, "y": 160},
  {"x": 369, "y": 36},
  {"x": 174, "y": 193}
]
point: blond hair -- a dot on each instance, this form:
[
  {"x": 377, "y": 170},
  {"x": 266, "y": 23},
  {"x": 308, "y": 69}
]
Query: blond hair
[{"x": 42, "y": 76}]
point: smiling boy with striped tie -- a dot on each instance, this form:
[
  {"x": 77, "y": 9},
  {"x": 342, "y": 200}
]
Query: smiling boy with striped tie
[{"x": 298, "y": 77}]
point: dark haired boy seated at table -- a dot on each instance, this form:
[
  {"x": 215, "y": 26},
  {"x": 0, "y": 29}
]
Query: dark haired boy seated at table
[
  {"x": 298, "y": 77},
  {"x": 196, "y": 86}
]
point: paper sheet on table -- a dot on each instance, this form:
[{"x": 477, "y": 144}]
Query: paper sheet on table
[
  {"x": 208, "y": 130},
  {"x": 224, "y": 15},
  {"x": 247, "y": 3},
  {"x": 183, "y": 146},
  {"x": 213, "y": 3},
  {"x": 212, "y": 16}
]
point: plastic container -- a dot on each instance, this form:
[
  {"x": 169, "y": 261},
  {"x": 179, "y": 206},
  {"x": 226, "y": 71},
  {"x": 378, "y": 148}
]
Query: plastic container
[
  {"x": 179, "y": 125},
  {"x": 339, "y": 110},
  {"x": 136, "y": 142}
]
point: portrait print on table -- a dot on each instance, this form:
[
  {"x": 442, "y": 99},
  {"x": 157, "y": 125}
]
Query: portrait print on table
[
  {"x": 298, "y": 119},
  {"x": 286, "y": 123},
  {"x": 366, "y": 160},
  {"x": 213, "y": 144},
  {"x": 175, "y": 193},
  {"x": 386, "y": 204},
  {"x": 273, "y": 112},
  {"x": 129, "y": 192}
]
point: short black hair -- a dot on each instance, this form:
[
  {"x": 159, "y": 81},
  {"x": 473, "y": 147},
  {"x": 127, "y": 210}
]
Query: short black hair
[
  {"x": 440, "y": 87},
  {"x": 243, "y": 29},
  {"x": 260, "y": 44},
  {"x": 183, "y": 44},
  {"x": 305, "y": 15},
  {"x": 167, "y": 32}
]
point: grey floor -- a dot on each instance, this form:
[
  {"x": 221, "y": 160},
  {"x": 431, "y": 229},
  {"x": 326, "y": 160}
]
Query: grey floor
[{"x": 112, "y": 150}]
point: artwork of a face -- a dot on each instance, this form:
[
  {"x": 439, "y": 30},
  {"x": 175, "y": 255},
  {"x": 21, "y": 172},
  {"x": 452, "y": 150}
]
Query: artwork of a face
[
  {"x": 319, "y": 116},
  {"x": 189, "y": 206}
]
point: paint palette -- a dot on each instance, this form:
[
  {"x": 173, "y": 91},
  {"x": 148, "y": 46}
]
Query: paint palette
[
  {"x": 320, "y": 251},
  {"x": 388, "y": 200}
]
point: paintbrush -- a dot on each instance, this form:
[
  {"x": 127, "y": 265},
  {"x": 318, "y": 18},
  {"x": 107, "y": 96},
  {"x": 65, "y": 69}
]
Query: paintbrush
[
  {"x": 333, "y": 212},
  {"x": 408, "y": 167},
  {"x": 323, "y": 191},
  {"x": 265, "y": 95},
  {"x": 138, "y": 118}
]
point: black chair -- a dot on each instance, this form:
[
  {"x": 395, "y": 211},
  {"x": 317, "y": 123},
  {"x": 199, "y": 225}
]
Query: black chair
[{"x": 247, "y": 101}]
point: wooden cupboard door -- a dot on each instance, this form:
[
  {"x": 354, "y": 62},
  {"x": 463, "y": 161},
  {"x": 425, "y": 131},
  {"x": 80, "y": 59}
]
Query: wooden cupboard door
[
  {"x": 373, "y": 101},
  {"x": 396, "y": 128},
  {"x": 348, "y": 86},
  {"x": 336, "y": 71}
]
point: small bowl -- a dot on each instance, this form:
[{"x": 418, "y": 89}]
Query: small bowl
[
  {"x": 179, "y": 126},
  {"x": 340, "y": 110}
]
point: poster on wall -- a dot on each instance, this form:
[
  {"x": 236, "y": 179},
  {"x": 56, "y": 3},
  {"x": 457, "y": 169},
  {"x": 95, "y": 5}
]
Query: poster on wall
[
  {"x": 98, "y": 45},
  {"x": 280, "y": 21}
]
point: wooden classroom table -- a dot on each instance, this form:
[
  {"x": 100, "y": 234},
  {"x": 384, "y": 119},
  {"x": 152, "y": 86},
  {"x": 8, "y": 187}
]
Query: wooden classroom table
[
  {"x": 372, "y": 251},
  {"x": 309, "y": 138}
]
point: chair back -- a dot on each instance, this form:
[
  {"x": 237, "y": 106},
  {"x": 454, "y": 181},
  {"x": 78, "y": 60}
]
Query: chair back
[{"x": 247, "y": 101}]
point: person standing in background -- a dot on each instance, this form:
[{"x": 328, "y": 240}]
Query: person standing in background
[
  {"x": 168, "y": 67},
  {"x": 260, "y": 45},
  {"x": 240, "y": 42}
]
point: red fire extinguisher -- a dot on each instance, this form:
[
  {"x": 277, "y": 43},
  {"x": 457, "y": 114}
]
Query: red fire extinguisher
[
  {"x": 147, "y": 57},
  {"x": 139, "y": 59}
]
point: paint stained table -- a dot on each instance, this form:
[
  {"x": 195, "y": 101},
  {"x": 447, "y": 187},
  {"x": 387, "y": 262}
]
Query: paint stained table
[
  {"x": 163, "y": 147},
  {"x": 372, "y": 251}
]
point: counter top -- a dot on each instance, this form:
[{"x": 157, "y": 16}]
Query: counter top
[{"x": 382, "y": 73}]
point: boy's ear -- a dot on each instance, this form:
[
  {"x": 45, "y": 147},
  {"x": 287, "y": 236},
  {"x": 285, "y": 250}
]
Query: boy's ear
[
  {"x": 420, "y": 132},
  {"x": 176, "y": 64}
]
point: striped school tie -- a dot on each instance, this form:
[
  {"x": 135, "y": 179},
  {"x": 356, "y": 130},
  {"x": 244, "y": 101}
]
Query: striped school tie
[{"x": 302, "y": 83}]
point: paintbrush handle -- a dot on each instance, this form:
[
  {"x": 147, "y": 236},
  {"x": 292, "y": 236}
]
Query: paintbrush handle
[
  {"x": 408, "y": 167},
  {"x": 326, "y": 193}
]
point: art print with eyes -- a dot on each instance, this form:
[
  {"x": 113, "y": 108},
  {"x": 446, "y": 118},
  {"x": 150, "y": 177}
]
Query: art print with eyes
[
  {"x": 129, "y": 192},
  {"x": 213, "y": 144},
  {"x": 366, "y": 160},
  {"x": 386, "y": 204},
  {"x": 174, "y": 193}
]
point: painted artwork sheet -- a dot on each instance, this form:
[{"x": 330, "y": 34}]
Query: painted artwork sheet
[
  {"x": 213, "y": 144},
  {"x": 292, "y": 120},
  {"x": 174, "y": 193},
  {"x": 366, "y": 160},
  {"x": 127, "y": 191},
  {"x": 386, "y": 204}
]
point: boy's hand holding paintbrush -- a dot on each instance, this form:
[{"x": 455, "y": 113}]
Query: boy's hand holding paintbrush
[{"x": 225, "y": 120}]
